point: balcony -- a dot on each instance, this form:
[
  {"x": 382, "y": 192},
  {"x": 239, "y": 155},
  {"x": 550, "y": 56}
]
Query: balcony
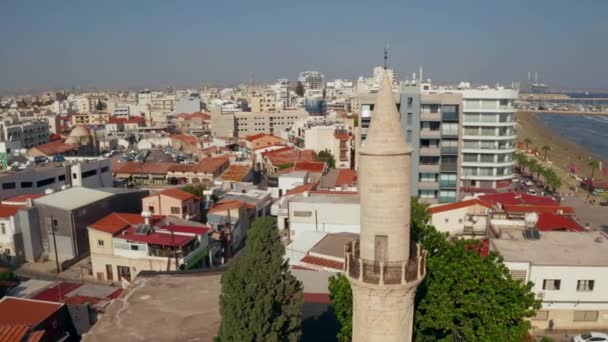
[
  {"x": 389, "y": 273},
  {"x": 449, "y": 167},
  {"x": 430, "y": 134},
  {"x": 449, "y": 116},
  {"x": 428, "y": 168},
  {"x": 428, "y": 185},
  {"x": 432, "y": 117},
  {"x": 447, "y": 184},
  {"x": 430, "y": 151},
  {"x": 449, "y": 150},
  {"x": 449, "y": 133}
]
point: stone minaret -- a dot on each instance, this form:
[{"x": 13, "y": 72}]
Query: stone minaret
[{"x": 384, "y": 267}]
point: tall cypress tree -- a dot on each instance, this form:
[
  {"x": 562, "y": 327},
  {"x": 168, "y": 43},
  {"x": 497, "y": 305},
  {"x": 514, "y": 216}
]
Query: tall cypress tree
[{"x": 261, "y": 299}]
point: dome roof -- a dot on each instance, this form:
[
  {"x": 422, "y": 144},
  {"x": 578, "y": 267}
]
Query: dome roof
[
  {"x": 72, "y": 140},
  {"x": 79, "y": 131}
]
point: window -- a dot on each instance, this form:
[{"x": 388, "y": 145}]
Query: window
[
  {"x": 585, "y": 285},
  {"x": 45, "y": 182},
  {"x": 552, "y": 284},
  {"x": 174, "y": 210},
  {"x": 105, "y": 169},
  {"x": 9, "y": 185},
  {"x": 518, "y": 275},
  {"x": 541, "y": 315},
  {"x": 134, "y": 247},
  {"x": 61, "y": 178},
  {"x": 3, "y": 228},
  {"x": 89, "y": 174},
  {"x": 585, "y": 316},
  {"x": 27, "y": 184},
  {"x": 99, "y": 243},
  {"x": 302, "y": 213}
]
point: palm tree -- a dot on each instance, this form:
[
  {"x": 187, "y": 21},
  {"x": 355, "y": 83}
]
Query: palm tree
[
  {"x": 532, "y": 166},
  {"x": 593, "y": 164},
  {"x": 552, "y": 179},
  {"x": 546, "y": 149},
  {"x": 527, "y": 141},
  {"x": 522, "y": 161}
]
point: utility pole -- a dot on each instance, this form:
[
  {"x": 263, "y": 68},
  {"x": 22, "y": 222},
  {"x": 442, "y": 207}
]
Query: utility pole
[{"x": 55, "y": 245}]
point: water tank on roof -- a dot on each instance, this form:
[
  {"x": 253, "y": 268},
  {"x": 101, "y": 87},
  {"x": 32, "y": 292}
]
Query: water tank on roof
[{"x": 531, "y": 219}]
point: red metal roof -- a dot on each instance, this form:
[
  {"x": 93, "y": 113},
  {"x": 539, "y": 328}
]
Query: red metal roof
[
  {"x": 156, "y": 238},
  {"x": 30, "y": 312},
  {"x": 322, "y": 262},
  {"x": 457, "y": 205},
  {"x": 57, "y": 293},
  {"x": 515, "y": 208},
  {"x": 517, "y": 198},
  {"x": 186, "y": 229},
  {"x": 549, "y": 222},
  {"x": 319, "y": 298},
  {"x": 7, "y": 211},
  {"x": 342, "y": 136},
  {"x": 13, "y": 333}
]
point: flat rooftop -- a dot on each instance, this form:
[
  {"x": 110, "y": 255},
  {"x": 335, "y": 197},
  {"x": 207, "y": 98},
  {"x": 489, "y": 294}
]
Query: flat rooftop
[
  {"x": 175, "y": 307},
  {"x": 328, "y": 198},
  {"x": 556, "y": 248},
  {"x": 333, "y": 244}
]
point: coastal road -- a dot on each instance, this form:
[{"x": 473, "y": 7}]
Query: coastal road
[{"x": 594, "y": 215}]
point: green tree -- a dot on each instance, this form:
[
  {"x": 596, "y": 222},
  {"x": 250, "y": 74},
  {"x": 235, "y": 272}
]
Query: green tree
[
  {"x": 196, "y": 190},
  {"x": 299, "y": 89},
  {"x": 463, "y": 296},
  {"x": 552, "y": 178},
  {"x": 528, "y": 142},
  {"x": 546, "y": 149},
  {"x": 260, "y": 299},
  {"x": 99, "y": 106},
  {"x": 533, "y": 166},
  {"x": 326, "y": 157},
  {"x": 594, "y": 165},
  {"x": 522, "y": 161},
  {"x": 341, "y": 301}
]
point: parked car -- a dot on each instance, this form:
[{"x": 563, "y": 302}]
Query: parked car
[
  {"x": 604, "y": 203},
  {"x": 531, "y": 191},
  {"x": 591, "y": 337},
  {"x": 529, "y": 183}
]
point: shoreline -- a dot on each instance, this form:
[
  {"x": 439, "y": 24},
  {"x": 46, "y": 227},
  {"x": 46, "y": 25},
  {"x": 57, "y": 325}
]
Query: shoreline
[
  {"x": 563, "y": 151},
  {"x": 564, "y": 112}
]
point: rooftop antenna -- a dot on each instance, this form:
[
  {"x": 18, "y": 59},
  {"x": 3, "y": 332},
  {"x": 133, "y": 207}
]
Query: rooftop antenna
[
  {"x": 536, "y": 77},
  {"x": 420, "y": 74},
  {"x": 386, "y": 56}
]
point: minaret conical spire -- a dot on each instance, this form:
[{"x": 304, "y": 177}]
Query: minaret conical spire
[{"x": 385, "y": 135}]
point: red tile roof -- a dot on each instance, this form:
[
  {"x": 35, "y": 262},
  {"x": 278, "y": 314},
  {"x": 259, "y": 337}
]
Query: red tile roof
[
  {"x": 115, "y": 120},
  {"x": 22, "y": 198},
  {"x": 320, "y": 298},
  {"x": 226, "y": 205},
  {"x": 114, "y": 223},
  {"x": 342, "y": 136},
  {"x": 549, "y": 222},
  {"x": 322, "y": 262},
  {"x": 257, "y": 136},
  {"x": 186, "y": 139},
  {"x": 301, "y": 189},
  {"x": 457, "y": 205},
  {"x": 236, "y": 173},
  {"x": 195, "y": 115},
  {"x": 346, "y": 177},
  {"x": 211, "y": 164},
  {"x": 156, "y": 238},
  {"x": 288, "y": 155},
  {"x": 30, "y": 312},
  {"x": 55, "y": 147},
  {"x": 315, "y": 167},
  {"x": 177, "y": 194},
  {"x": 7, "y": 211}
]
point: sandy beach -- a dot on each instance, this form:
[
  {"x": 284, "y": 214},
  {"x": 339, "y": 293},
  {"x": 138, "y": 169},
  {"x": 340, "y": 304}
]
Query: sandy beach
[{"x": 562, "y": 153}]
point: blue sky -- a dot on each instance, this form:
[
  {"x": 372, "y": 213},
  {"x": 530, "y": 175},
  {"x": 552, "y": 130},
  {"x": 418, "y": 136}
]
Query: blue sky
[{"x": 130, "y": 43}]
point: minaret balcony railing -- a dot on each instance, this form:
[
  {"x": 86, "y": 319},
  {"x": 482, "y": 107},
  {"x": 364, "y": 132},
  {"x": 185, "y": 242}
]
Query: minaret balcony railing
[{"x": 380, "y": 273}]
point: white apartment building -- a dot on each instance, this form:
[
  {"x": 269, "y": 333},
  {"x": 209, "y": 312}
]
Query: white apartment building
[
  {"x": 144, "y": 97},
  {"x": 311, "y": 80},
  {"x": 320, "y": 134},
  {"x": 372, "y": 84},
  {"x": 326, "y": 213},
  {"x": 23, "y": 135},
  {"x": 282, "y": 93},
  {"x": 75, "y": 171},
  {"x": 161, "y": 106},
  {"x": 569, "y": 271},
  {"x": 488, "y": 138}
]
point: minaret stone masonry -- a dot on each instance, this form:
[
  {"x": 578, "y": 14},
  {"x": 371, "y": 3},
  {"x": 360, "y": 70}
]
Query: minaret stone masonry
[{"x": 384, "y": 269}]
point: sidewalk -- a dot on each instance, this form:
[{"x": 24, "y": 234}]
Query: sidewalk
[{"x": 557, "y": 335}]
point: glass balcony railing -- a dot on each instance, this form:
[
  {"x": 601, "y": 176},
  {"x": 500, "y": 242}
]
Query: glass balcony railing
[
  {"x": 447, "y": 183},
  {"x": 449, "y": 150},
  {"x": 449, "y": 116},
  {"x": 449, "y": 167}
]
